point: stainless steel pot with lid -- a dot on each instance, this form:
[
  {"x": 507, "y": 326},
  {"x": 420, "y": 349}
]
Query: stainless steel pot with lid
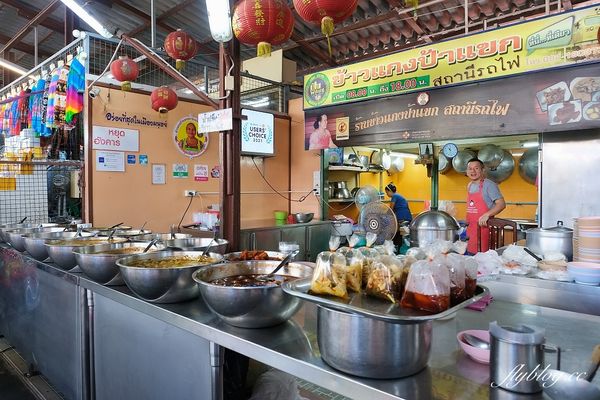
[
  {"x": 557, "y": 239},
  {"x": 433, "y": 225}
]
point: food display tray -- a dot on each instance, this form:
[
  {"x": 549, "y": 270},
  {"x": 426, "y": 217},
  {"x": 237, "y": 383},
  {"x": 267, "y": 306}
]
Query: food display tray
[{"x": 373, "y": 307}]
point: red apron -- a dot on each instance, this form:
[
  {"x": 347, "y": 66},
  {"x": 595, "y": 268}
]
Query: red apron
[{"x": 476, "y": 207}]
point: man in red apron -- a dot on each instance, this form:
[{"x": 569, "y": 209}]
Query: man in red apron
[{"x": 484, "y": 201}]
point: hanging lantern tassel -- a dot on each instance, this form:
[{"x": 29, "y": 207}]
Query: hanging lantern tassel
[
  {"x": 327, "y": 29},
  {"x": 263, "y": 49},
  {"x": 179, "y": 65},
  {"x": 126, "y": 86}
]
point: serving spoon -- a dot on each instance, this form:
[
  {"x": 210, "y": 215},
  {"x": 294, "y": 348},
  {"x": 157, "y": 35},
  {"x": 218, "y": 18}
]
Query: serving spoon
[
  {"x": 475, "y": 341},
  {"x": 152, "y": 243},
  {"x": 282, "y": 264}
]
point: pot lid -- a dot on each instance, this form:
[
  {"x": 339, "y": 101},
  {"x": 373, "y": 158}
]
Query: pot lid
[
  {"x": 559, "y": 228},
  {"x": 434, "y": 220},
  {"x": 518, "y": 334}
]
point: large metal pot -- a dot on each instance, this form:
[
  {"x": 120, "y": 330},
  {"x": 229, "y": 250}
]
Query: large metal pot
[
  {"x": 491, "y": 156},
  {"x": 460, "y": 161},
  {"x": 375, "y": 349},
  {"x": 444, "y": 164},
  {"x": 504, "y": 170},
  {"x": 433, "y": 225},
  {"x": 528, "y": 165},
  {"x": 557, "y": 239}
]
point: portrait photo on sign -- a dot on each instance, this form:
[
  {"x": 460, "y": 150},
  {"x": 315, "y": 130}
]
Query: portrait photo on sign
[
  {"x": 187, "y": 138},
  {"x": 321, "y": 130}
]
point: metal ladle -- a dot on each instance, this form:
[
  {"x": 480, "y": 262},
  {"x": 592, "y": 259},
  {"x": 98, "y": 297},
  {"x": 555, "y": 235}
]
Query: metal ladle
[{"x": 282, "y": 264}]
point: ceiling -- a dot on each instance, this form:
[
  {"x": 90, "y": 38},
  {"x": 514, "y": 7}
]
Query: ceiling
[{"x": 377, "y": 27}]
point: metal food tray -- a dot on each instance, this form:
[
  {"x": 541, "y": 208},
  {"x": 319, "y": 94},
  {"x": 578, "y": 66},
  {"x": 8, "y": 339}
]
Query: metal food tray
[{"x": 373, "y": 307}]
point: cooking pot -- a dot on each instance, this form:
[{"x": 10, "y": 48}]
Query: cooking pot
[
  {"x": 460, "y": 161},
  {"x": 432, "y": 225},
  {"x": 557, "y": 239},
  {"x": 397, "y": 165},
  {"x": 341, "y": 194},
  {"x": 341, "y": 228},
  {"x": 491, "y": 156},
  {"x": 504, "y": 170},
  {"x": 339, "y": 185},
  {"x": 375, "y": 349},
  {"x": 444, "y": 164},
  {"x": 528, "y": 165}
]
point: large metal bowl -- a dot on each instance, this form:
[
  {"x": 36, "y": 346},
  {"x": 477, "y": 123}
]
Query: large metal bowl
[
  {"x": 132, "y": 233},
  {"x": 61, "y": 251},
  {"x": 101, "y": 266},
  {"x": 16, "y": 239},
  {"x": 8, "y": 227},
  {"x": 162, "y": 236},
  {"x": 273, "y": 256},
  {"x": 163, "y": 285},
  {"x": 35, "y": 243},
  {"x": 198, "y": 244},
  {"x": 250, "y": 307}
]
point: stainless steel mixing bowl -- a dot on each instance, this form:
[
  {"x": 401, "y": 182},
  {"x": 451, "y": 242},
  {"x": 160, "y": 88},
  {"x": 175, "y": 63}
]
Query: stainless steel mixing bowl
[
  {"x": 8, "y": 227},
  {"x": 250, "y": 307},
  {"x": 100, "y": 262},
  {"x": 35, "y": 243},
  {"x": 61, "y": 251},
  {"x": 163, "y": 285},
  {"x": 198, "y": 244},
  {"x": 15, "y": 236}
]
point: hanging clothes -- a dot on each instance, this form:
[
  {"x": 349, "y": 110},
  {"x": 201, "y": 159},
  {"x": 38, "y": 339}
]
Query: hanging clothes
[
  {"x": 60, "y": 97},
  {"x": 36, "y": 107},
  {"x": 50, "y": 123},
  {"x": 2, "y": 107},
  {"x": 75, "y": 90},
  {"x": 45, "y": 131},
  {"x": 15, "y": 115},
  {"x": 24, "y": 109},
  {"x": 6, "y": 119}
]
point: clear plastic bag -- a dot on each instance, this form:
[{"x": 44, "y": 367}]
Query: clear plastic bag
[
  {"x": 354, "y": 267},
  {"x": 334, "y": 243},
  {"x": 427, "y": 287},
  {"x": 371, "y": 238},
  {"x": 470, "y": 276},
  {"x": 488, "y": 263},
  {"x": 456, "y": 268},
  {"x": 276, "y": 385},
  {"x": 386, "y": 279},
  {"x": 386, "y": 249},
  {"x": 329, "y": 276},
  {"x": 417, "y": 253},
  {"x": 370, "y": 256}
]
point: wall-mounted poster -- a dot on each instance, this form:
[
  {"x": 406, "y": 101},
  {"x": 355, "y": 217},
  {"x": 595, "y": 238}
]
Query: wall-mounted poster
[{"x": 187, "y": 138}]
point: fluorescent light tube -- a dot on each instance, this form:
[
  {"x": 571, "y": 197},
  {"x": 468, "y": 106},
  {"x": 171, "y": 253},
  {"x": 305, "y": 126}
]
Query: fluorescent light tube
[
  {"x": 89, "y": 19},
  {"x": 13, "y": 67},
  {"x": 530, "y": 144},
  {"x": 219, "y": 19}
]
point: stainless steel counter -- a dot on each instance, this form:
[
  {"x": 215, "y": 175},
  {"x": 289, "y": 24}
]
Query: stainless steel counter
[{"x": 292, "y": 347}]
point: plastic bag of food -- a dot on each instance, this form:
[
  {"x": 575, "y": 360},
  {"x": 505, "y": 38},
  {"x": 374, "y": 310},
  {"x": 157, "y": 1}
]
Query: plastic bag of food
[
  {"x": 354, "y": 268},
  {"x": 329, "y": 276},
  {"x": 386, "y": 249},
  {"x": 470, "y": 276},
  {"x": 370, "y": 256},
  {"x": 371, "y": 238},
  {"x": 427, "y": 287},
  {"x": 456, "y": 268},
  {"x": 353, "y": 240},
  {"x": 386, "y": 279},
  {"x": 519, "y": 255},
  {"x": 488, "y": 263},
  {"x": 334, "y": 243},
  {"x": 276, "y": 385},
  {"x": 417, "y": 253}
]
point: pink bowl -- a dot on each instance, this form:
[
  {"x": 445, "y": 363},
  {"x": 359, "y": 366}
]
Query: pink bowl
[{"x": 477, "y": 354}]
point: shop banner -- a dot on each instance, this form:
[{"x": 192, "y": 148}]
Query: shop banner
[
  {"x": 559, "y": 100},
  {"x": 548, "y": 42}
]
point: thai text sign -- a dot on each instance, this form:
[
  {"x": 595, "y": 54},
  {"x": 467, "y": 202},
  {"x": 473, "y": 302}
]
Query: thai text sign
[
  {"x": 558, "y": 40},
  {"x": 215, "y": 121},
  {"x": 120, "y": 139}
]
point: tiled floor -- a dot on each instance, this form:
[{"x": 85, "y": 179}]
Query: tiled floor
[{"x": 11, "y": 388}]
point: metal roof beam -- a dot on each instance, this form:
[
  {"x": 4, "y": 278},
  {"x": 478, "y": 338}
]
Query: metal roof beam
[
  {"x": 24, "y": 47},
  {"x": 160, "y": 18},
  {"x": 32, "y": 22},
  {"x": 26, "y": 11}
]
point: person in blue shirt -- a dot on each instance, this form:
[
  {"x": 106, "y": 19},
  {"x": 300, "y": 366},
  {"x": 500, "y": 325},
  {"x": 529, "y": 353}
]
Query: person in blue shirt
[
  {"x": 399, "y": 204},
  {"x": 400, "y": 207}
]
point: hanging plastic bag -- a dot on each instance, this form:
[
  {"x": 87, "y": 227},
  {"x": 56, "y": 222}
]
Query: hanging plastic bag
[
  {"x": 329, "y": 276},
  {"x": 371, "y": 238},
  {"x": 427, "y": 287}
]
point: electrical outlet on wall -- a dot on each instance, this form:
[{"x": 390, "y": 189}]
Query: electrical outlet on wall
[{"x": 191, "y": 193}]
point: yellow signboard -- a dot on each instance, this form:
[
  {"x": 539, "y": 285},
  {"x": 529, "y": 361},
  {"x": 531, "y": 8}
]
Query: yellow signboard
[{"x": 549, "y": 42}]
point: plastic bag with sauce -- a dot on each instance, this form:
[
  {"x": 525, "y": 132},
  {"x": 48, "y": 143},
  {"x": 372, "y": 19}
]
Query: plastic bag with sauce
[
  {"x": 370, "y": 256},
  {"x": 329, "y": 276},
  {"x": 456, "y": 268},
  {"x": 427, "y": 287}
]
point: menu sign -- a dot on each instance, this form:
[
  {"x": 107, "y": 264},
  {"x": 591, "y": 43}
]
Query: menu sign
[
  {"x": 558, "y": 40},
  {"x": 559, "y": 100}
]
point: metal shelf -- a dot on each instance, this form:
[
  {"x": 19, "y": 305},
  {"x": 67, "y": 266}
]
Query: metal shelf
[
  {"x": 341, "y": 201},
  {"x": 346, "y": 168}
]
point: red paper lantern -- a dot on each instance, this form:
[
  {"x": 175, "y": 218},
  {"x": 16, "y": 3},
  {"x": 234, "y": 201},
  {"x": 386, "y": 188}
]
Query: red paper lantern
[
  {"x": 180, "y": 46},
  {"x": 325, "y": 12},
  {"x": 124, "y": 70},
  {"x": 262, "y": 23},
  {"x": 163, "y": 99}
]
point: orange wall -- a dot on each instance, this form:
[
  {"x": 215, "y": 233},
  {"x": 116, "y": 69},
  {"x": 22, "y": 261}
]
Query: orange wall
[
  {"x": 131, "y": 197},
  {"x": 304, "y": 163}
]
